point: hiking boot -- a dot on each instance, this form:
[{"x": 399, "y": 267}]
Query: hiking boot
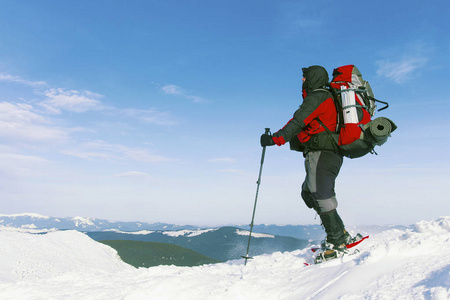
[
  {"x": 340, "y": 242},
  {"x": 325, "y": 246},
  {"x": 345, "y": 239},
  {"x": 330, "y": 251}
]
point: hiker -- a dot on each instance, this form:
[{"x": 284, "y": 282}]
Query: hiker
[{"x": 323, "y": 161}]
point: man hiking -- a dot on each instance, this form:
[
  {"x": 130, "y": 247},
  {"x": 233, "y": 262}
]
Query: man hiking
[{"x": 305, "y": 132}]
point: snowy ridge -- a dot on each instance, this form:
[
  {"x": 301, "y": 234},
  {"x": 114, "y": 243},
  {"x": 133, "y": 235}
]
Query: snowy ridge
[
  {"x": 25, "y": 229},
  {"x": 83, "y": 222},
  {"x": 254, "y": 234},
  {"x": 394, "y": 264},
  {"x": 37, "y": 221},
  {"x": 91, "y": 224},
  {"x": 187, "y": 233},
  {"x": 140, "y": 232},
  {"x": 173, "y": 233},
  {"x": 29, "y": 215}
]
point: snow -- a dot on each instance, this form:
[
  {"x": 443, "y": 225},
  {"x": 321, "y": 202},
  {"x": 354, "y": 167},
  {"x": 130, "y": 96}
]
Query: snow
[
  {"x": 187, "y": 233},
  {"x": 140, "y": 232},
  {"x": 172, "y": 233},
  {"x": 393, "y": 264},
  {"x": 31, "y": 215},
  {"x": 80, "y": 221},
  {"x": 254, "y": 234},
  {"x": 25, "y": 229}
]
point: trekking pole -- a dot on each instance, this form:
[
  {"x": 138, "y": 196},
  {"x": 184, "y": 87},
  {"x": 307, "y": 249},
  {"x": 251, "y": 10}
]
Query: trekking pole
[{"x": 246, "y": 257}]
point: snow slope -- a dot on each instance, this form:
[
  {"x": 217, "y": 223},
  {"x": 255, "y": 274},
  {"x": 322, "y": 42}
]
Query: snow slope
[{"x": 393, "y": 264}]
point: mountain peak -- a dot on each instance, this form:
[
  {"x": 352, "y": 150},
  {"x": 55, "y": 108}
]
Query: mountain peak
[{"x": 26, "y": 215}]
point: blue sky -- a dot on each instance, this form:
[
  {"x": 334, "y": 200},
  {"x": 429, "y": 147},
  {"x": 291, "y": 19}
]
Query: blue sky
[{"x": 152, "y": 110}]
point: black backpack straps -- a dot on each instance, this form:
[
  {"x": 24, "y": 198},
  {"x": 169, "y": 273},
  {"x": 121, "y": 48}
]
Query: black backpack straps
[
  {"x": 334, "y": 137},
  {"x": 385, "y": 103},
  {"x": 324, "y": 89},
  {"x": 366, "y": 135}
]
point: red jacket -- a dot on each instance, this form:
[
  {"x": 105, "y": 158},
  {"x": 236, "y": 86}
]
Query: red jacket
[{"x": 317, "y": 104}]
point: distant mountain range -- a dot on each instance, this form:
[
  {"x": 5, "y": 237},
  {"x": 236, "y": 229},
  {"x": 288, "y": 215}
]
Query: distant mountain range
[
  {"x": 36, "y": 221},
  {"x": 87, "y": 224},
  {"x": 219, "y": 243}
]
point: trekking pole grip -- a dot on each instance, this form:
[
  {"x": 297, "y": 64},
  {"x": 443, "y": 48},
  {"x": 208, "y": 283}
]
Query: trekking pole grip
[{"x": 267, "y": 131}]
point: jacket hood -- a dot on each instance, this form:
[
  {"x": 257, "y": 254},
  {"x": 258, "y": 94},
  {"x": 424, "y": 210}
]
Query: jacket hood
[{"x": 315, "y": 77}]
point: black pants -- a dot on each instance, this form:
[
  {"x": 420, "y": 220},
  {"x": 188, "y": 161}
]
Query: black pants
[{"x": 322, "y": 168}]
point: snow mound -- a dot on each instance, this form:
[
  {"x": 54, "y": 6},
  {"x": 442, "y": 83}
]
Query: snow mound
[
  {"x": 442, "y": 225},
  {"x": 38, "y": 256},
  {"x": 394, "y": 264}
]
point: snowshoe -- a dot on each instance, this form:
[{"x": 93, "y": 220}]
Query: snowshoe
[
  {"x": 328, "y": 255},
  {"x": 328, "y": 251}
]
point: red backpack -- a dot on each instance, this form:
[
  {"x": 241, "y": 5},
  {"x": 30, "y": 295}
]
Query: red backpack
[{"x": 355, "y": 103}]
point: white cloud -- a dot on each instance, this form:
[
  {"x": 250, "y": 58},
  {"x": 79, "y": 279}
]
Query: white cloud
[
  {"x": 13, "y": 165},
  {"x": 103, "y": 150},
  {"x": 402, "y": 70},
  {"x": 20, "y": 112},
  {"x": 21, "y": 122},
  {"x": 23, "y": 159},
  {"x": 404, "y": 63},
  {"x": 33, "y": 125},
  {"x": 58, "y": 100},
  {"x": 171, "y": 89},
  {"x": 17, "y": 79},
  {"x": 174, "y": 90},
  {"x": 72, "y": 100}
]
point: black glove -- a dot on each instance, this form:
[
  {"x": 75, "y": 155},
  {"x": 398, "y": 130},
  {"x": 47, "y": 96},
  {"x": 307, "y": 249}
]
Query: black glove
[{"x": 266, "y": 140}]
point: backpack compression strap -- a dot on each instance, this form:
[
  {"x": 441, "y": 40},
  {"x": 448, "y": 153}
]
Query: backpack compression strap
[{"x": 333, "y": 137}]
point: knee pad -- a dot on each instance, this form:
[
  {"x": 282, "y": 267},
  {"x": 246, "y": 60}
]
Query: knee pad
[{"x": 326, "y": 205}]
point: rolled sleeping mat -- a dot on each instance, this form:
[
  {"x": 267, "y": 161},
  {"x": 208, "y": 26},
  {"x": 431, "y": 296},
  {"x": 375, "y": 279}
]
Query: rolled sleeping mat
[{"x": 380, "y": 129}]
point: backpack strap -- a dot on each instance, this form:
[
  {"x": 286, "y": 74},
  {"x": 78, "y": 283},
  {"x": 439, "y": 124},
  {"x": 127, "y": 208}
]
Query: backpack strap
[
  {"x": 323, "y": 90},
  {"x": 334, "y": 137},
  {"x": 385, "y": 103},
  {"x": 365, "y": 96},
  {"x": 371, "y": 147}
]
